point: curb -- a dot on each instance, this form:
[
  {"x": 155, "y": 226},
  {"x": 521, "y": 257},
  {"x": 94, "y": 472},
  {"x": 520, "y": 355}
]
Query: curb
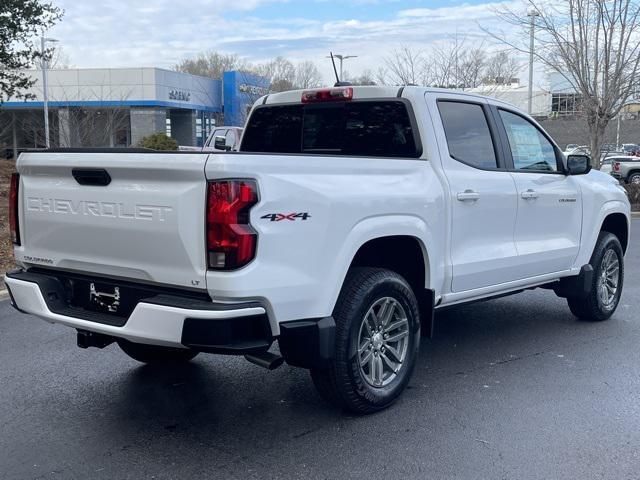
[
  {"x": 4, "y": 294},
  {"x": 635, "y": 214}
]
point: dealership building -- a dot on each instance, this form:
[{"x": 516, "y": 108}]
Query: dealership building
[{"x": 117, "y": 107}]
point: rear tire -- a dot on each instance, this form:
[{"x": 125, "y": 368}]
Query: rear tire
[
  {"x": 608, "y": 278},
  {"x": 377, "y": 341},
  {"x": 154, "y": 354}
]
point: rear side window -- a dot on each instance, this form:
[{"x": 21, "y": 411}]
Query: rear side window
[
  {"x": 373, "y": 129},
  {"x": 468, "y": 135}
]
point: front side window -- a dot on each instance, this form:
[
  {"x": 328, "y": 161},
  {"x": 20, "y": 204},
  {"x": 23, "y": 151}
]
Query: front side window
[
  {"x": 530, "y": 149},
  {"x": 468, "y": 135}
]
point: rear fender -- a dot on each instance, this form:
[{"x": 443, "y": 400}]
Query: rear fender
[{"x": 385, "y": 226}]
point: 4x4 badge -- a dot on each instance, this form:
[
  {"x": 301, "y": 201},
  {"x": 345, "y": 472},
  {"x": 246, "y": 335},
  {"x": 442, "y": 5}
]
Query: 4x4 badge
[{"x": 278, "y": 217}]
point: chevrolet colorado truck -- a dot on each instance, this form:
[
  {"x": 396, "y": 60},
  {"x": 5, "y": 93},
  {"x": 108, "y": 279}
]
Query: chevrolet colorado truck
[{"x": 348, "y": 217}]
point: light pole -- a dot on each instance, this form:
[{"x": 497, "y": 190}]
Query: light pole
[
  {"x": 342, "y": 58},
  {"x": 45, "y": 96},
  {"x": 618, "y": 127},
  {"x": 532, "y": 14}
]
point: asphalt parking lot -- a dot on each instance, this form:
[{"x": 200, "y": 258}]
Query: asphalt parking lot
[{"x": 513, "y": 388}]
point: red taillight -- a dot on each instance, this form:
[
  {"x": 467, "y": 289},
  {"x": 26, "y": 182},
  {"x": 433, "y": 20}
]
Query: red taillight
[
  {"x": 327, "y": 95},
  {"x": 231, "y": 241},
  {"x": 616, "y": 167},
  {"x": 14, "y": 226}
]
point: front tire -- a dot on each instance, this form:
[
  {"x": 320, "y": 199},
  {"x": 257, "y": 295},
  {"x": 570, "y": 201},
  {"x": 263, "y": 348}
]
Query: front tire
[
  {"x": 606, "y": 287},
  {"x": 154, "y": 354},
  {"x": 634, "y": 179},
  {"x": 377, "y": 341}
]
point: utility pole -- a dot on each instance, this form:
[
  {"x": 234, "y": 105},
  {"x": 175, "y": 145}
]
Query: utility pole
[
  {"x": 43, "y": 43},
  {"x": 532, "y": 14},
  {"x": 342, "y": 58}
]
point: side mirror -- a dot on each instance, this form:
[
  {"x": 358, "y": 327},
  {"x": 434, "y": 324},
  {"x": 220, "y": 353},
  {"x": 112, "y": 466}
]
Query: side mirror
[
  {"x": 578, "y": 164},
  {"x": 220, "y": 143}
]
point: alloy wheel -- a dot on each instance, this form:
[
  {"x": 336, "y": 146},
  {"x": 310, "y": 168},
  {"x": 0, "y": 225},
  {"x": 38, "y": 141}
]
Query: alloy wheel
[
  {"x": 383, "y": 342},
  {"x": 608, "y": 279}
]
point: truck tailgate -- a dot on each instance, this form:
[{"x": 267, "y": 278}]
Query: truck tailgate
[{"x": 147, "y": 223}]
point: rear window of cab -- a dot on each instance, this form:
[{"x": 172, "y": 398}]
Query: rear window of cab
[{"x": 361, "y": 128}]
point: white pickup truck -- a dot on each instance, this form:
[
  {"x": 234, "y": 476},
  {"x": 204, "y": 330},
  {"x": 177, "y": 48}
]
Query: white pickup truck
[
  {"x": 348, "y": 217},
  {"x": 221, "y": 139}
]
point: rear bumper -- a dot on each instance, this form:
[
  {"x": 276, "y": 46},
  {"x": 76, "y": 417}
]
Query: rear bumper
[{"x": 161, "y": 320}]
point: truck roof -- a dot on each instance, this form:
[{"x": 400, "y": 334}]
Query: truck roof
[{"x": 373, "y": 92}]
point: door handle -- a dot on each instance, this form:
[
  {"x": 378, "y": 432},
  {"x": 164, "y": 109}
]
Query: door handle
[
  {"x": 468, "y": 196},
  {"x": 530, "y": 194}
]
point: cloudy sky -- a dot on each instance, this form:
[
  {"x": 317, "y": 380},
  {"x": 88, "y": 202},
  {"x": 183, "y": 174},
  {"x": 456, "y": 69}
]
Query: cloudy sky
[{"x": 123, "y": 33}]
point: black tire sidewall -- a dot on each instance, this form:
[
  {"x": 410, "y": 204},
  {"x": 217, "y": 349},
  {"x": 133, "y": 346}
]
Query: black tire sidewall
[
  {"x": 388, "y": 286},
  {"x": 606, "y": 242}
]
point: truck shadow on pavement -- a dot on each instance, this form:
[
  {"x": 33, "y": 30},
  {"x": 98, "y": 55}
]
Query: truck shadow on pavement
[{"x": 230, "y": 402}]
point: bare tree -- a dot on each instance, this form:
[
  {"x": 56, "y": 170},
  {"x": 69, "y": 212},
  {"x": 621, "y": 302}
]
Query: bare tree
[
  {"x": 472, "y": 65},
  {"x": 307, "y": 75},
  {"x": 280, "y": 72},
  {"x": 454, "y": 63},
  {"x": 457, "y": 64},
  {"x": 501, "y": 67},
  {"x": 96, "y": 126},
  {"x": 76, "y": 126},
  {"x": 404, "y": 66},
  {"x": 6, "y": 125},
  {"x": 79, "y": 126},
  {"x": 382, "y": 76},
  {"x": 58, "y": 58},
  {"x": 445, "y": 61},
  {"x": 365, "y": 78},
  {"x": 594, "y": 45},
  {"x": 212, "y": 64}
]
